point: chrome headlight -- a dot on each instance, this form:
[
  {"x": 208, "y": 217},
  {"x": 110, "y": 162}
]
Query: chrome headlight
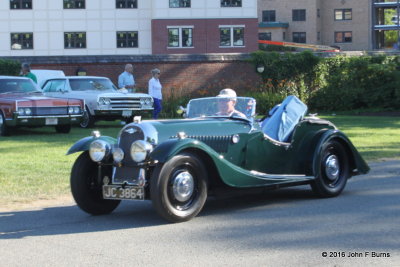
[
  {"x": 98, "y": 150},
  {"x": 70, "y": 110},
  {"x": 149, "y": 101},
  {"x": 118, "y": 155},
  {"x": 146, "y": 101},
  {"x": 77, "y": 110},
  {"x": 104, "y": 101},
  {"x": 24, "y": 111},
  {"x": 140, "y": 150}
]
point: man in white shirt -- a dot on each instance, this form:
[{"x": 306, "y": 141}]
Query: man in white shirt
[{"x": 126, "y": 79}]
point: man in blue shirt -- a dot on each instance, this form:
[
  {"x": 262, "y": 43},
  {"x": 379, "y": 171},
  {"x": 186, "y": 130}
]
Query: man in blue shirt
[{"x": 126, "y": 79}]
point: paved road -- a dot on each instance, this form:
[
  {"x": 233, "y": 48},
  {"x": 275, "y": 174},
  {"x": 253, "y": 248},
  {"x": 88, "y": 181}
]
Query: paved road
[{"x": 287, "y": 227}]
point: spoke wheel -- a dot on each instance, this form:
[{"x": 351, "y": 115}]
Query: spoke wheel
[
  {"x": 333, "y": 171},
  {"x": 178, "y": 188},
  {"x": 86, "y": 187}
]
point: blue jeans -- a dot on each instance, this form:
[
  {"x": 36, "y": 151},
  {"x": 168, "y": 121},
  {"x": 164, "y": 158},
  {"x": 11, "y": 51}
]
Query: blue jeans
[{"x": 157, "y": 107}]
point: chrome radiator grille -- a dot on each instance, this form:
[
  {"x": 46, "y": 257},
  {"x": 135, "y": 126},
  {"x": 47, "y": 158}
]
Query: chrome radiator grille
[
  {"x": 125, "y": 103},
  {"x": 41, "y": 111}
]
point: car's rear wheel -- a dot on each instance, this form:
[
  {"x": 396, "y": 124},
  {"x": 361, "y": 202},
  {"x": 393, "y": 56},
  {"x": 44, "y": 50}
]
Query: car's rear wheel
[
  {"x": 4, "y": 131},
  {"x": 87, "y": 119},
  {"x": 86, "y": 186},
  {"x": 333, "y": 171},
  {"x": 178, "y": 188},
  {"x": 63, "y": 128}
]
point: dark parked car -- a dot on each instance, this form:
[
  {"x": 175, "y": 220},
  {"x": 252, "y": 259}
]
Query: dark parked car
[
  {"x": 177, "y": 163},
  {"x": 22, "y": 104}
]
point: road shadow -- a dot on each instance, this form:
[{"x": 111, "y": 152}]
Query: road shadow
[{"x": 129, "y": 215}]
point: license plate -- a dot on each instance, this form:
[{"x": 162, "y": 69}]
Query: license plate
[
  {"x": 51, "y": 121},
  {"x": 126, "y": 192},
  {"x": 127, "y": 113}
]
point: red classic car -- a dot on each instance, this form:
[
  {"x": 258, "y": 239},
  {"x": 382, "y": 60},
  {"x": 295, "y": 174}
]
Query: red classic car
[{"x": 22, "y": 104}]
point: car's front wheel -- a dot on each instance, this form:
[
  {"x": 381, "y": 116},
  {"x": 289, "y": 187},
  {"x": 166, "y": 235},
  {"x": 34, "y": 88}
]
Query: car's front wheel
[
  {"x": 86, "y": 187},
  {"x": 333, "y": 170},
  {"x": 3, "y": 127},
  {"x": 87, "y": 119},
  {"x": 178, "y": 188}
]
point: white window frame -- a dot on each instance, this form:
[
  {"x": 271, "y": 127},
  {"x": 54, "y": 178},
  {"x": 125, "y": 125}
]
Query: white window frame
[
  {"x": 180, "y": 28},
  {"x": 231, "y": 29}
]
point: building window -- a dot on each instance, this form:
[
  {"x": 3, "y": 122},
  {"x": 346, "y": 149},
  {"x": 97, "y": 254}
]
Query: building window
[
  {"x": 343, "y": 14},
  {"x": 268, "y": 16},
  {"x": 231, "y": 3},
  {"x": 20, "y": 4},
  {"x": 126, "y": 4},
  {"x": 318, "y": 13},
  {"x": 21, "y": 41},
  {"x": 299, "y": 15},
  {"x": 231, "y": 36},
  {"x": 74, "y": 4},
  {"x": 284, "y": 36},
  {"x": 266, "y": 36},
  {"x": 74, "y": 40},
  {"x": 127, "y": 39},
  {"x": 299, "y": 37},
  {"x": 180, "y": 36},
  {"x": 318, "y": 36},
  {"x": 343, "y": 37},
  {"x": 179, "y": 3}
]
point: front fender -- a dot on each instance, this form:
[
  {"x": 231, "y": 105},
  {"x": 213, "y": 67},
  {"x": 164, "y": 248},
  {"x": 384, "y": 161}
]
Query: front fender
[
  {"x": 359, "y": 166},
  {"x": 165, "y": 151},
  {"x": 84, "y": 143}
]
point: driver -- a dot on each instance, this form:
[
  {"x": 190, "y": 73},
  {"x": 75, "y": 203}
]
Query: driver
[{"x": 226, "y": 104}]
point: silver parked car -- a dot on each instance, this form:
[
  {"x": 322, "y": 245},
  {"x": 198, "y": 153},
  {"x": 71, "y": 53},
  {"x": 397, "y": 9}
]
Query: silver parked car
[{"x": 103, "y": 101}]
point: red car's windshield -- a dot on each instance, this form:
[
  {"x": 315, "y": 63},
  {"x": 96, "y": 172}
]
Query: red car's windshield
[{"x": 17, "y": 86}]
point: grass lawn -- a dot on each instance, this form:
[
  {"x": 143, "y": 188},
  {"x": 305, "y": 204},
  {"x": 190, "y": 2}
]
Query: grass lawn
[{"x": 33, "y": 165}]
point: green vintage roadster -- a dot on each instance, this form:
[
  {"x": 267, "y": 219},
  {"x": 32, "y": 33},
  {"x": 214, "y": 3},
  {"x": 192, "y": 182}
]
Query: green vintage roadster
[{"x": 177, "y": 163}]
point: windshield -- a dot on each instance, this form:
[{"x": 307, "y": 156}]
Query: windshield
[
  {"x": 17, "y": 86},
  {"x": 91, "y": 84},
  {"x": 240, "y": 107}
]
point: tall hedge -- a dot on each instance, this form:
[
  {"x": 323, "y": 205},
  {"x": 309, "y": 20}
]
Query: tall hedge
[
  {"x": 332, "y": 84},
  {"x": 358, "y": 83},
  {"x": 9, "y": 67}
]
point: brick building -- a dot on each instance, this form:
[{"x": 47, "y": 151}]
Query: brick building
[
  {"x": 128, "y": 27},
  {"x": 351, "y": 25}
]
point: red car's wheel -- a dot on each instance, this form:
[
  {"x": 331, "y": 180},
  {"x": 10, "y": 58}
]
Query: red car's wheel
[{"x": 3, "y": 127}]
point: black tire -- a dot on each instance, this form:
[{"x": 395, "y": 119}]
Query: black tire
[
  {"x": 87, "y": 119},
  {"x": 333, "y": 170},
  {"x": 66, "y": 128},
  {"x": 87, "y": 189},
  {"x": 4, "y": 131},
  {"x": 186, "y": 172}
]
